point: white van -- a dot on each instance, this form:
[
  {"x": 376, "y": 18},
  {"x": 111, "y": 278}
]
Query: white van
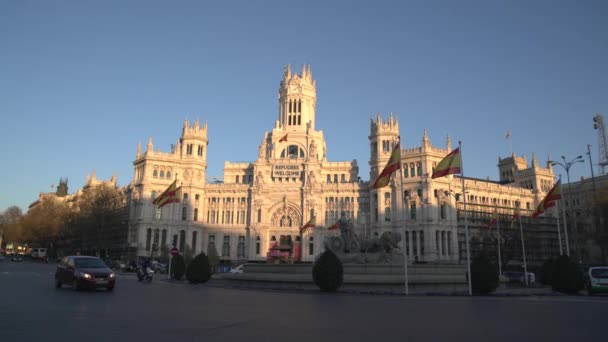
[
  {"x": 38, "y": 253},
  {"x": 598, "y": 280}
]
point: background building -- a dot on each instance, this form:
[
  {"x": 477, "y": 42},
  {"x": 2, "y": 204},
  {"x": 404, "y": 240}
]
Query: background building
[{"x": 264, "y": 203}]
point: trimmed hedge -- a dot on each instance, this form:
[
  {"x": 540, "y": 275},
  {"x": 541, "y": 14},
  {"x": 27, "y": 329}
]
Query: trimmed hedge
[
  {"x": 484, "y": 275},
  {"x": 546, "y": 272},
  {"x": 567, "y": 277},
  {"x": 178, "y": 267},
  {"x": 199, "y": 270},
  {"x": 327, "y": 272}
]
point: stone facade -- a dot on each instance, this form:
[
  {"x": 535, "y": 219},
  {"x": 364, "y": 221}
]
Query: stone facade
[{"x": 265, "y": 202}]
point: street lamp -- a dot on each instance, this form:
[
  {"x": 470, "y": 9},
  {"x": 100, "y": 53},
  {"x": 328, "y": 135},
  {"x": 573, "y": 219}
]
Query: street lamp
[{"x": 567, "y": 165}]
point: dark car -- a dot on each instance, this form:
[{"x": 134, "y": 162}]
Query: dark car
[
  {"x": 84, "y": 272},
  {"x": 17, "y": 257}
]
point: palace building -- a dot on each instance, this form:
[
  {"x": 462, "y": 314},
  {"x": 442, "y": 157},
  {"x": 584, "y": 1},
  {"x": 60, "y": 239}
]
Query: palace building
[{"x": 261, "y": 205}]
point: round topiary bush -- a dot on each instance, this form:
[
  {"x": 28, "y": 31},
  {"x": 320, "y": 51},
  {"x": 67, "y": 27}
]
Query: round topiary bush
[
  {"x": 484, "y": 275},
  {"x": 327, "y": 272},
  {"x": 546, "y": 272},
  {"x": 199, "y": 270},
  {"x": 178, "y": 267},
  {"x": 567, "y": 277}
]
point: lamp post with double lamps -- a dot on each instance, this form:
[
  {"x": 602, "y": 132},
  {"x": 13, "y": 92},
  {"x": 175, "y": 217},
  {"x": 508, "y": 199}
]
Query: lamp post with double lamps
[{"x": 567, "y": 165}]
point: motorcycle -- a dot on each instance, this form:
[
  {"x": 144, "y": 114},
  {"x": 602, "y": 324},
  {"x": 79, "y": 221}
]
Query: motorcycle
[{"x": 145, "y": 274}]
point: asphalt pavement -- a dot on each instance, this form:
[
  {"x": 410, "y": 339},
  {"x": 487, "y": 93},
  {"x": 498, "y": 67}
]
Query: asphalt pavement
[{"x": 31, "y": 309}]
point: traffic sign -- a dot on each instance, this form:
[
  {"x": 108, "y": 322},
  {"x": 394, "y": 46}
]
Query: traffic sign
[{"x": 174, "y": 251}]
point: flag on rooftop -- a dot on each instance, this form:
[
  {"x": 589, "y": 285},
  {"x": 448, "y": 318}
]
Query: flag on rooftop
[
  {"x": 451, "y": 164},
  {"x": 170, "y": 195},
  {"x": 549, "y": 200},
  {"x": 310, "y": 224},
  {"x": 393, "y": 164}
]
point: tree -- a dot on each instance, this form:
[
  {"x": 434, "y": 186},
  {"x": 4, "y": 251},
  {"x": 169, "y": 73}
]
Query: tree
[
  {"x": 199, "y": 270},
  {"x": 546, "y": 272},
  {"x": 567, "y": 277},
  {"x": 327, "y": 272},
  {"x": 10, "y": 224},
  {"x": 484, "y": 275},
  {"x": 178, "y": 267},
  {"x": 44, "y": 222}
]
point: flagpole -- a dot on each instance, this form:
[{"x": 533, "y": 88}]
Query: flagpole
[
  {"x": 498, "y": 241},
  {"x": 466, "y": 224},
  {"x": 523, "y": 249},
  {"x": 559, "y": 234},
  {"x": 405, "y": 271},
  {"x": 565, "y": 228}
]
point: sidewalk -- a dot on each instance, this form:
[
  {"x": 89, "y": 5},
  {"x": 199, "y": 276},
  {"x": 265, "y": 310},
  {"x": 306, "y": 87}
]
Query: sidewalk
[{"x": 386, "y": 290}]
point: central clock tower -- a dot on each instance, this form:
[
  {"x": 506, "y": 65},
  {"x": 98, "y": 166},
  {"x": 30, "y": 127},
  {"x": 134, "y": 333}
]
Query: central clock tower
[{"x": 297, "y": 100}]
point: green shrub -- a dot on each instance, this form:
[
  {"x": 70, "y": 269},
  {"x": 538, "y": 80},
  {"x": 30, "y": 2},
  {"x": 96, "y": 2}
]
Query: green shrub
[
  {"x": 484, "y": 275},
  {"x": 546, "y": 272},
  {"x": 198, "y": 270},
  {"x": 567, "y": 277},
  {"x": 178, "y": 267},
  {"x": 327, "y": 272}
]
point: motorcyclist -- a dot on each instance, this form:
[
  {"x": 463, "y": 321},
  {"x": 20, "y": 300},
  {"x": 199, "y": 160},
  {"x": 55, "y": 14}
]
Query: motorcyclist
[{"x": 143, "y": 269}]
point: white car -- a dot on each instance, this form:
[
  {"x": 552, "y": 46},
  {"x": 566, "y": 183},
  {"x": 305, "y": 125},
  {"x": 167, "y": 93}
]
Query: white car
[{"x": 238, "y": 269}]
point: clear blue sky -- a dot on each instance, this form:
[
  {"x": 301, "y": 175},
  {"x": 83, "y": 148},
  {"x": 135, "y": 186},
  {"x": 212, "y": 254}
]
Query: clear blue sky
[{"x": 82, "y": 82}]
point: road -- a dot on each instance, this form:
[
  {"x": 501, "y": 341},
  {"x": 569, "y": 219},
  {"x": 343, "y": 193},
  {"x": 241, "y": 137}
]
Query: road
[{"x": 31, "y": 309}]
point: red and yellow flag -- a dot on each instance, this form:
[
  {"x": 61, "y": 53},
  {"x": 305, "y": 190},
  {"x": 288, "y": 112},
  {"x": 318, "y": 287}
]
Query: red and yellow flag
[
  {"x": 549, "y": 201},
  {"x": 493, "y": 220},
  {"x": 393, "y": 164},
  {"x": 284, "y": 138},
  {"x": 334, "y": 226},
  {"x": 310, "y": 224},
  {"x": 170, "y": 195},
  {"x": 449, "y": 165}
]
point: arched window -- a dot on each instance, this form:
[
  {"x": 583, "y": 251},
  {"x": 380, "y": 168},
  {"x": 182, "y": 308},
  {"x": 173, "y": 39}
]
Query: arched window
[
  {"x": 257, "y": 245},
  {"x": 182, "y": 240},
  {"x": 292, "y": 151},
  {"x": 162, "y": 174},
  {"x": 419, "y": 169},
  {"x": 311, "y": 246},
  {"x": 155, "y": 173},
  {"x": 412, "y": 170},
  {"x": 169, "y": 174}
]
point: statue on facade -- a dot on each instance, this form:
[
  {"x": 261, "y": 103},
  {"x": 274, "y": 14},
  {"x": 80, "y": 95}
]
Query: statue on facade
[{"x": 312, "y": 151}]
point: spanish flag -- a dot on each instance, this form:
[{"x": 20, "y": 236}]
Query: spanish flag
[
  {"x": 170, "y": 195},
  {"x": 310, "y": 224},
  {"x": 449, "y": 165},
  {"x": 393, "y": 164},
  {"x": 549, "y": 201},
  {"x": 493, "y": 220}
]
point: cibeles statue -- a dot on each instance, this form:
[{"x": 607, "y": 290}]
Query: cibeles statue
[{"x": 350, "y": 248}]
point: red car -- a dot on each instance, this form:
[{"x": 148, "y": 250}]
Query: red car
[{"x": 84, "y": 272}]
